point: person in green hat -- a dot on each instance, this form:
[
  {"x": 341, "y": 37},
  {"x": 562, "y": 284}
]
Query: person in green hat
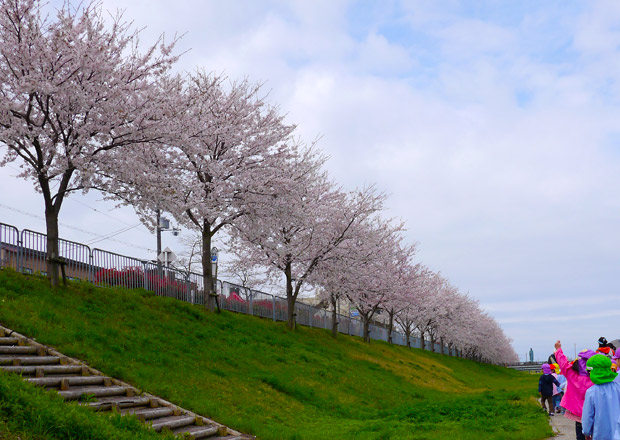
[{"x": 601, "y": 409}]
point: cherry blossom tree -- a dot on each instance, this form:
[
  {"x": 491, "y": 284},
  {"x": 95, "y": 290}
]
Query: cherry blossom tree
[
  {"x": 299, "y": 228},
  {"x": 486, "y": 342},
  {"x": 332, "y": 282},
  {"x": 427, "y": 307},
  {"x": 367, "y": 269},
  {"x": 247, "y": 274},
  {"x": 227, "y": 152},
  {"x": 404, "y": 317},
  {"x": 401, "y": 306},
  {"x": 448, "y": 315},
  {"x": 452, "y": 318},
  {"x": 405, "y": 276},
  {"x": 438, "y": 310},
  {"x": 72, "y": 91}
]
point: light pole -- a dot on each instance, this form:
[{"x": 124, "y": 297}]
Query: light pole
[
  {"x": 163, "y": 224},
  {"x": 214, "y": 260}
]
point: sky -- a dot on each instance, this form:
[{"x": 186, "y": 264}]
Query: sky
[{"x": 493, "y": 126}]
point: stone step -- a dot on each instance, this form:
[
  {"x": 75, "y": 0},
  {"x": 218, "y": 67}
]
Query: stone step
[
  {"x": 173, "y": 422},
  {"x": 44, "y": 369},
  {"x": 57, "y": 381},
  {"x": 231, "y": 437},
  {"x": 149, "y": 413},
  {"x": 77, "y": 392},
  {"x": 197, "y": 432},
  {"x": 9, "y": 341},
  {"x": 28, "y": 360},
  {"x": 15, "y": 349},
  {"x": 105, "y": 403}
]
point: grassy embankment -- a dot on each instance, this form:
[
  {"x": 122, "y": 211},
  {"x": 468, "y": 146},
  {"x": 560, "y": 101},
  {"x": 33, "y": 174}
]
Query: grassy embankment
[
  {"x": 31, "y": 413},
  {"x": 256, "y": 376}
]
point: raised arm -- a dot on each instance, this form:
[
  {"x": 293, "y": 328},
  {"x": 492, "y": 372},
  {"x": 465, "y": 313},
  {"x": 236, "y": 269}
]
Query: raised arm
[{"x": 560, "y": 358}]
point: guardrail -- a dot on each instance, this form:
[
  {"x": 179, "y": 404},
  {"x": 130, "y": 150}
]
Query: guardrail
[
  {"x": 531, "y": 367},
  {"x": 25, "y": 251}
]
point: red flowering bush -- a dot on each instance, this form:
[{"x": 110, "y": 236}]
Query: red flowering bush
[{"x": 134, "y": 277}]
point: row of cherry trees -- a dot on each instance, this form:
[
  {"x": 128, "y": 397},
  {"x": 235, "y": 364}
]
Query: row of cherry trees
[{"x": 82, "y": 108}]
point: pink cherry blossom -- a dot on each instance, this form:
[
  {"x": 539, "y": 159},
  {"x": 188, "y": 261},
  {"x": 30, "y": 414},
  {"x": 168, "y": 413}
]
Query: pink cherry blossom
[{"x": 72, "y": 91}]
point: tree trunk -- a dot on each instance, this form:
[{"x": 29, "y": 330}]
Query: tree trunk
[
  {"x": 408, "y": 337},
  {"x": 422, "y": 342},
  {"x": 334, "y": 317},
  {"x": 291, "y": 315},
  {"x": 290, "y": 298},
  {"x": 52, "y": 209},
  {"x": 366, "y": 321},
  {"x": 432, "y": 343},
  {"x": 52, "y": 254},
  {"x": 207, "y": 273},
  {"x": 390, "y": 326},
  {"x": 443, "y": 351}
]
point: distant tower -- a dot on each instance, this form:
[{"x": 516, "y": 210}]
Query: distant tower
[{"x": 531, "y": 355}]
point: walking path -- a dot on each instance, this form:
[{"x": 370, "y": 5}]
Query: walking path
[{"x": 564, "y": 428}]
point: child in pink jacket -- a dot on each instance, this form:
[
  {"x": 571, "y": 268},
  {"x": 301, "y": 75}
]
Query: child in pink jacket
[{"x": 577, "y": 384}]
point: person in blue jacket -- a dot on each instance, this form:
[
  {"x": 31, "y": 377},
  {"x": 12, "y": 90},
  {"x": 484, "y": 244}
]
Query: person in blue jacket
[{"x": 601, "y": 409}]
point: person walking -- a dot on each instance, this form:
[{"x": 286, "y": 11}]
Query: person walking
[
  {"x": 605, "y": 347},
  {"x": 577, "y": 383},
  {"x": 559, "y": 393},
  {"x": 545, "y": 388},
  {"x": 601, "y": 408}
]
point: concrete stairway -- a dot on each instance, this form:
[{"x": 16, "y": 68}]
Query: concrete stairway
[{"x": 76, "y": 381}]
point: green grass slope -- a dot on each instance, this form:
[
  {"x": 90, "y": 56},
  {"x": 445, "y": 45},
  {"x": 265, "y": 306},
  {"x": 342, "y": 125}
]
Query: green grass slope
[
  {"x": 31, "y": 413},
  {"x": 257, "y": 377}
]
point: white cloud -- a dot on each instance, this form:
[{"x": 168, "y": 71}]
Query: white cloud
[
  {"x": 597, "y": 32},
  {"x": 379, "y": 56}
]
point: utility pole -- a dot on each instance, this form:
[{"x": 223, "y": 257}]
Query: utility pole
[
  {"x": 163, "y": 224},
  {"x": 158, "y": 213}
]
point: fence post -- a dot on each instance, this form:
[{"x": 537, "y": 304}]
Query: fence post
[
  {"x": 91, "y": 268},
  {"x": 273, "y": 301},
  {"x": 145, "y": 282},
  {"x": 1, "y": 247},
  {"x": 251, "y": 303},
  {"x": 310, "y": 314},
  {"x": 20, "y": 243},
  {"x": 349, "y": 321},
  {"x": 187, "y": 289}
]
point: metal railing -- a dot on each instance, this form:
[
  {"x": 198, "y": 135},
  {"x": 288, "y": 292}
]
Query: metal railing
[{"x": 25, "y": 251}]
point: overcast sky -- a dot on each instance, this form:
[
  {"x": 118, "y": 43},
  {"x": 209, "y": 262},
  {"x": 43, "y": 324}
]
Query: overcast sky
[{"x": 493, "y": 126}]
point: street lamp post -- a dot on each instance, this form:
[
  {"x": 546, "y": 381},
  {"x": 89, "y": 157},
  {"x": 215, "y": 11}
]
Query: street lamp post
[
  {"x": 214, "y": 261},
  {"x": 293, "y": 280},
  {"x": 163, "y": 224}
]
